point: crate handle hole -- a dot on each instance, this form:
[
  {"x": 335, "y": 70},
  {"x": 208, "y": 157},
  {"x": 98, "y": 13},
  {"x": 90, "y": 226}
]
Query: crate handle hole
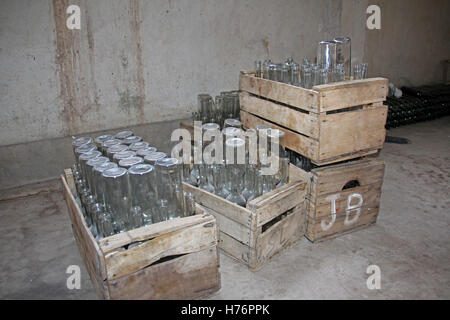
[{"x": 351, "y": 184}]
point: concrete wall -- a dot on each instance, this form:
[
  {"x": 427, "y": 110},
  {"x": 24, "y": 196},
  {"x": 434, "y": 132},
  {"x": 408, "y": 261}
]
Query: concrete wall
[
  {"x": 413, "y": 40},
  {"x": 141, "y": 63}
]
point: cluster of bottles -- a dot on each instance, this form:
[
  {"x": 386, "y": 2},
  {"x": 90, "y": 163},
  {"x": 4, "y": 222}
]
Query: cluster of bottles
[
  {"x": 418, "y": 104},
  {"x": 234, "y": 180},
  {"x": 225, "y": 106},
  {"x": 123, "y": 183},
  {"x": 333, "y": 64}
]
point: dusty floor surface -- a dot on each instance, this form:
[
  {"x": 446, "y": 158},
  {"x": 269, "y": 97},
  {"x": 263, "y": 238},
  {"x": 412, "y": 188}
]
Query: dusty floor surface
[{"x": 410, "y": 242}]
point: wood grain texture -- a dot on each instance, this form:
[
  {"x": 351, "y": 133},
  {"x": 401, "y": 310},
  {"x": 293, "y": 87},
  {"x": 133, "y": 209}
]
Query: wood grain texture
[
  {"x": 290, "y": 118},
  {"x": 301, "y": 98},
  {"x": 292, "y": 140},
  {"x": 191, "y": 276},
  {"x": 327, "y": 184},
  {"x": 339, "y": 95}
]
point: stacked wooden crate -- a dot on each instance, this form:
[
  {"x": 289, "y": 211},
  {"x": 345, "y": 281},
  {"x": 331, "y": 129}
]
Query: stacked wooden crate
[
  {"x": 175, "y": 259},
  {"x": 337, "y": 126},
  {"x": 266, "y": 226}
]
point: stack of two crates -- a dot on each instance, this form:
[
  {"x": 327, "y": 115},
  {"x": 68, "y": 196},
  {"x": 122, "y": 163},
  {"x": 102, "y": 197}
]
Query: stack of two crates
[{"x": 340, "y": 127}]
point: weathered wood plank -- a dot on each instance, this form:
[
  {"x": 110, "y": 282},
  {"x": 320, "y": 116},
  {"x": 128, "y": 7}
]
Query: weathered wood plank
[
  {"x": 346, "y": 94},
  {"x": 293, "y": 119},
  {"x": 191, "y": 276},
  {"x": 302, "y": 98},
  {"x": 292, "y": 140},
  {"x": 187, "y": 240},
  {"x": 350, "y": 132},
  {"x": 116, "y": 241}
]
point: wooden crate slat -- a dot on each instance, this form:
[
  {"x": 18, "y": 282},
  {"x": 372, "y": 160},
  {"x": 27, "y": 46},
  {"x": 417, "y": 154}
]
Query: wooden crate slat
[
  {"x": 196, "y": 238},
  {"x": 116, "y": 241},
  {"x": 280, "y": 236},
  {"x": 349, "y": 132},
  {"x": 301, "y": 122},
  {"x": 346, "y": 94},
  {"x": 305, "y": 99},
  {"x": 292, "y": 140},
  {"x": 234, "y": 248},
  {"x": 184, "y": 277},
  {"x": 325, "y": 221},
  {"x": 228, "y": 209},
  {"x": 88, "y": 248},
  {"x": 139, "y": 269},
  {"x": 274, "y": 203}
]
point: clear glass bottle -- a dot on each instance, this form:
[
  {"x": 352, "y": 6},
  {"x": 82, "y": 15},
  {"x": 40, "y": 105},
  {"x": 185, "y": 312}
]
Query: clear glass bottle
[
  {"x": 295, "y": 81},
  {"x": 116, "y": 197},
  {"x": 285, "y": 73},
  {"x": 170, "y": 190},
  {"x": 284, "y": 172},
  {"x": 111, "y": 151},
  {"x": 108, "y": 144},
  {"x": 98, "y": 181},
  {"x": 123, "y": 155},
  {"x": 146, "y": 151},
  {"x": 189, "y": 204},
  {"x": 138, "y": 145},
  {"x": 250, "y": 191},
  {"x": 153, "y": 157},
  {"x": 204, "y": 181},
  {"x": 130, "y": 140},
  {"x": 357, "y": 72},
  {"x": 143, "y": 195},
  {"x": 129, "y": 162},
  {"x": 84, "y": 158},
  {"x": 90, "y": 164},
  {"x": 306, "y": 78},
  {"x": 326, "y": 54},
  {"x": 83, "y": 149},
  {"x": 205, "y": 107},
  {"x": 323, "y": 76},
  {"x": 315, "y": 75},
  {"x": 235, "y": 195},
  {"x": 219, "y": 174},
  {"x": 123, "y": 134},
  {"x": 344, "y": 54},
  {"x": 364, "y": 67},
  {"x": 220, "y": 110},
  {"x": 234, "y": 123},
  {"x": 100, "y": 139},
  {"x": 258, "y": 69}
]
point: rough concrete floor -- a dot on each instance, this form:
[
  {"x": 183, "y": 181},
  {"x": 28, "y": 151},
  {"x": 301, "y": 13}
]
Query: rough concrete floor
[{"x": 410, "y": 243}]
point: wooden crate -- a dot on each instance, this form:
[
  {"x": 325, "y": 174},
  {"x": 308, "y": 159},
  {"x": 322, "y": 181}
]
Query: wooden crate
[
  {"x": 178, "y": 259},
  {"x": 328, "y": 124},
  {"x": 266, "y": 226},
  {"x": 343, "y": 198}
]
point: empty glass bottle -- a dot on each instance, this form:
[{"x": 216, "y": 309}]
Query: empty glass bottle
[
  {"x": 124, "y": 134},
  {"x": 129, "y": 162},
  {"x": 170, "y": 191},
  {"x": 344, "y": 54},
  {"x": 153, "y": 157},
  {"x": 146, "y": 151},
  {"x": 100, "y": 139},
  {"x": 326, "y": 54},
  {"x": 111, "y": 151},
  {"x": 108, "y": 144},
  {"x": 130, "y": 140},
  {"x": 138, "y": 145},
  {"x": 123, "y": 155},
  {"x": 143, "y": 195},
  {"x": 116, "y": 197},
  {"x": 357, "y": 72}
]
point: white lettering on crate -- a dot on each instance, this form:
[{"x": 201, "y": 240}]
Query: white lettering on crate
[{"x": 350, "y": 207}]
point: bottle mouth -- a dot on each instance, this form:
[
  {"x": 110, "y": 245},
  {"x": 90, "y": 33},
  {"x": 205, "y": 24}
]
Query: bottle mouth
[
  {"x": 105, "y": 166},
  {"x": 140, "y": 169},
  {"x": 167, "y": 162},
  {"x": 210, "y": 126},
  {"x": 231, "y": 131},
  {"x": 111, "y": 142},
  {"x": 139, "y": 145},
  {"x": 124, "y": 154},
  {"x": 235, "y": 142},
  {"x": 123, "y": 134},
  {"x": 146, "y": 151},
  {"x": 81, "y": 141},
  {"x": 96, "y": 161},
  {"x": 132, "y": 139},
  {"x": 114, "y": 172},
  {"x": 103, "y": 137},
  {"x": 86, "y": 148},
  {"x": 90, "y": 155},
  {"x": 117, "y": 148},
  {"x": 155, "y": 156},
  {"x": 129, "y": 162}
]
